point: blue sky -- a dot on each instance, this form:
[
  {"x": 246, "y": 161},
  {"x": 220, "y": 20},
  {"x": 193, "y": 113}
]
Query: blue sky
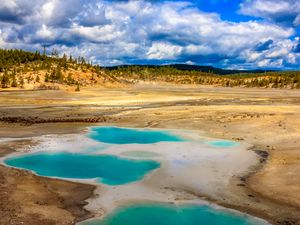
[{"x": 236, "y": 34}]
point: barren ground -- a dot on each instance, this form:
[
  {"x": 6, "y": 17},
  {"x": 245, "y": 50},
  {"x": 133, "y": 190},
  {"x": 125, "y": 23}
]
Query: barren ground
[{"x": 267, "y": 118}]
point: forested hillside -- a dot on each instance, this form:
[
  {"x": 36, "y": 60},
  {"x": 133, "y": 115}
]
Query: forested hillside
[
  {"x": 187, "y": 67},
  {"x": 271, "y": 79},
  {"x": 21, "y": 69}
]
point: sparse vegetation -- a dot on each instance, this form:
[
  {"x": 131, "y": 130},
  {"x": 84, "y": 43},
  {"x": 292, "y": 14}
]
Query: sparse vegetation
[
  {"x": 275, "y": 79},
  {"x": 20, "y": 68},
  {"x": 77, "y": 88}
]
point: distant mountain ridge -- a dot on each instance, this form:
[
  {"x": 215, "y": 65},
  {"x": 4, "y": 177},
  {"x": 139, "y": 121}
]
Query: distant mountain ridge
[{"x": 187, "y": 67}]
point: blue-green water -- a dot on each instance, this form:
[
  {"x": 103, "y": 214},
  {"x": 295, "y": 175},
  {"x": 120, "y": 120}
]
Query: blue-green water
[
  {"x": 113, "y": 170},
  {"x": 223, "y": 144},
  {"x": 107, "y": 169},
  {"x": 166, "y": 214},
  {"x": 116, "y": 135}
]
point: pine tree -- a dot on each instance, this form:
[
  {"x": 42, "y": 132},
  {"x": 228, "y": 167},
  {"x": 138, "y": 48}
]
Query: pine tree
[
  {"x": 70, "y": 79},
  {"x": 46, "y": 77},
  {"x": 22, "y": 82},
  {"x": 5, "y": 80},
  {"x": 77, "y": 88},
  {"x": 37, "y": 79},
  {"x": 14, "y": 82},
  {"x": 64, "y": 62}
]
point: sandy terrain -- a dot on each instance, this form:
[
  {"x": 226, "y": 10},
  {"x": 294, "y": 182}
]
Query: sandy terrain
[
  {"x": 28, "y": 199},
  {"x": 268, "y": 119}
]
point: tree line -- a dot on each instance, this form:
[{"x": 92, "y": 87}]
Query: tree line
[
  {"x": 273, "y": 79},
  {"x": 18, "y": 67}
]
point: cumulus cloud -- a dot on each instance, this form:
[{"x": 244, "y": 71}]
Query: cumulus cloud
[
  {"x": 14, "y": 11},
  {"x": 160, "y": 50},
  {"x": 118, "y": 32},
  {"x": 286, "y": 12}
]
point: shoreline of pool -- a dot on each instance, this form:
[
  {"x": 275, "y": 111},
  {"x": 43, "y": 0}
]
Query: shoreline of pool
[
  {"x": 196, "y": 203},
  {"x": 88, "y": 207}
]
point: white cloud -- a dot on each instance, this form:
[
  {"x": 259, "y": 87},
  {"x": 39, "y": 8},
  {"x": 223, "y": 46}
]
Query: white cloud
[
  {"x": 270, "y": 63},
  {"x": 129, "y": 31},
  {"x": 98, "y": 33},
  {"x": 164, "y": 51},
  {"x": 48, "y": 9},
  {"x": 297, "y": 20},
  {"x": 44, "y": 32},
  {"x": 281, "y": 53},
  {"x": 280, "y": 11}
]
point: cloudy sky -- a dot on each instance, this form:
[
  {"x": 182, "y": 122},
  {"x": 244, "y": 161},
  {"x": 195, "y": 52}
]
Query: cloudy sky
[{"x": 240, "y": 34}]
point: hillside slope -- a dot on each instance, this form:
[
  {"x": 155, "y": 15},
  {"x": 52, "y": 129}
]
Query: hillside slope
[{"x": 21, "y": 69}]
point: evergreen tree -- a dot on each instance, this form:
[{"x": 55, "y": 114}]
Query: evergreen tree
[
  {"x": 77, "y": 88},
  {"x": 46, "y": 77},
  {"x": 37, "y": 79},
  {"x": 14, "y": 82},
  {"x": 5, "y": 80},
  {"x": 58, "y": 74},
  {"x": 22, "y": 82},
  {"x": 64, "y": 61}
]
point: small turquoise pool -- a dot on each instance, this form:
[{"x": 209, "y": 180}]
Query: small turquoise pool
[
  {"x": 223, "y": 143},
  {"x": 107, "y": 169},
  {"x": 116, "y": 135},
  {"x": 166, "y": 214}
]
